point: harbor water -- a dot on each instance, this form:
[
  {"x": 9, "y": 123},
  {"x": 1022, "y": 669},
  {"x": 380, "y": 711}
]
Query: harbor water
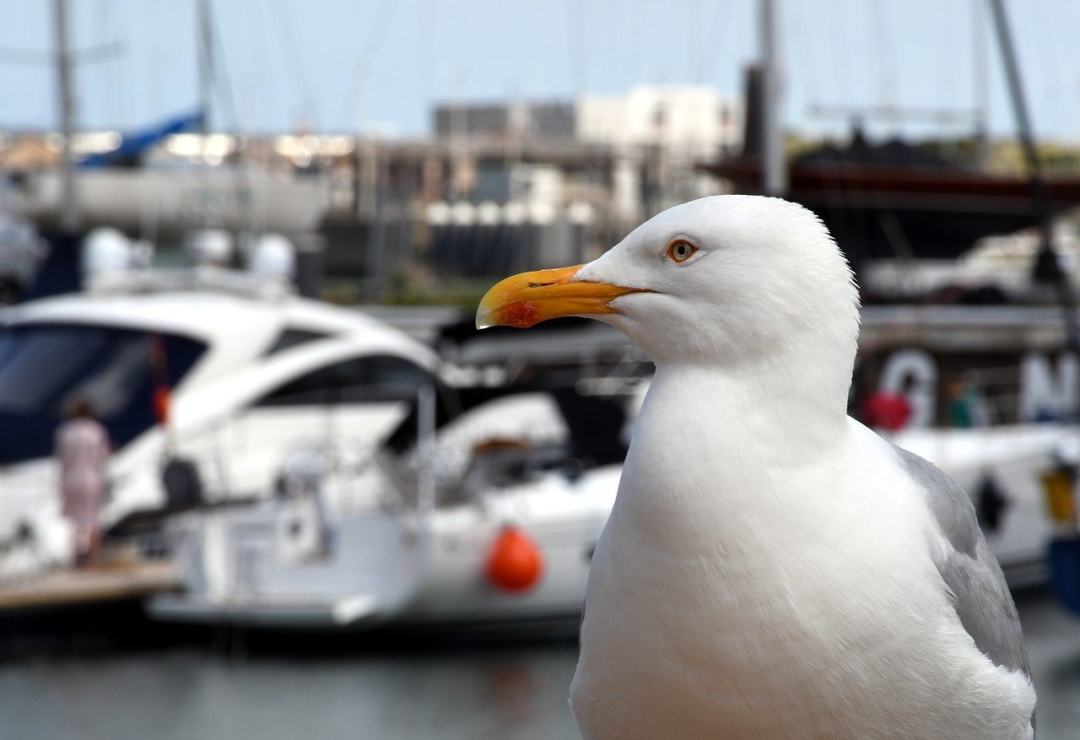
[{"x": 233, "y": 688}]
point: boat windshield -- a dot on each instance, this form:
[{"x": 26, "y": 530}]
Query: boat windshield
[{"x": 46, "y": 368}]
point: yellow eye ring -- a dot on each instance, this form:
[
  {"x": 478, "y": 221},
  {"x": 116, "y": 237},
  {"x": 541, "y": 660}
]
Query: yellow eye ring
[{"x": 681, "y": 250}]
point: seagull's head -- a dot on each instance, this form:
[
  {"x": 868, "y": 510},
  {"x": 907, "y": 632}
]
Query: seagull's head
[{"x": 720, "y": 280}]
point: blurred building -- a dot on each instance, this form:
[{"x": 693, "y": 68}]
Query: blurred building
[
  {"x": 650, "y": 139},
  {"x": 497, "y": 186},
  {"x": 557, "y": 181}
]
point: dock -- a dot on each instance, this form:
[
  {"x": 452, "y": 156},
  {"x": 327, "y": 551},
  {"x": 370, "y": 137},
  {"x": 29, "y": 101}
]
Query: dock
[{"x": 86, "y": 586}]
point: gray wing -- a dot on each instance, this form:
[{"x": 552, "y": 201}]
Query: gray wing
[{"x": 970, "y": 570}]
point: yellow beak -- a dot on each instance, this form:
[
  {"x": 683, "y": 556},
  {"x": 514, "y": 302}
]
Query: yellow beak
[{"x": 528, "y": 298}]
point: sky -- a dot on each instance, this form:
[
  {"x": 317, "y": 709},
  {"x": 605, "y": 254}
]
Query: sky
[{"x": 379, "y": 65}]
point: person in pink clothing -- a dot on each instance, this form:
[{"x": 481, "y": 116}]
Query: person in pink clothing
[{"x": 82, "y": 450}]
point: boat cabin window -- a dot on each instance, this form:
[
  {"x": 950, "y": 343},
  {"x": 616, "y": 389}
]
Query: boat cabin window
[
  {"x": 370, "y": 379},
  {"x": 291, "y": 337},
  {"x": 45, "y": 368}
]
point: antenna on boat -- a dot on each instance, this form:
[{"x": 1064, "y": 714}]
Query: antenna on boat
[
  {"x": 69, "y": 215},
  {"x": 775, "y": 173},
  {"x": 205, "y": 45},
  {"x": 64, "y": 60},
  {"x": 59, "y": 272},
  {"x": 980, "y": 83}
]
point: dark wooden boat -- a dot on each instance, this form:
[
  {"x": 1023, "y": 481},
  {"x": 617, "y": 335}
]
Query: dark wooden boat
[
  {"x": 894, "y": 198},
  {"x": 878, "y": 210}
]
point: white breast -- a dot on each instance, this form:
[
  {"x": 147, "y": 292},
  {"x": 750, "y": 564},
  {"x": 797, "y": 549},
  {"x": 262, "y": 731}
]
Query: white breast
[{"x": 734, "y": 596}]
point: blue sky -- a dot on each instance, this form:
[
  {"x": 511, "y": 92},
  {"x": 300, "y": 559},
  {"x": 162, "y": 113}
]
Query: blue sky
[{"x": 349, "y": 65}]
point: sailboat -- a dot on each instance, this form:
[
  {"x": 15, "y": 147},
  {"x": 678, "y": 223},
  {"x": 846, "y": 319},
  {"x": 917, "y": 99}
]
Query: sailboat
[{"x": 892, "y": 199}]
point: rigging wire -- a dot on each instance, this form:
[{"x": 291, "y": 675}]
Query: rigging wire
[
  {"x": 1053, "y": 87},
  {"x": 642, "y": 35},
  {"x": 841, "y": 51},
  {"x": 602, "y": 49},
  {"x": 425, "y": 21},
  {"x": 799, "y": 36},
  {"x": 980, "y": 72},
  {"x": 108, "y": 77},
  {"x": 717, "y": 33},
  {"x": 1071, "y": 83},
  {"x": 886, "y": 53},
  {"x": 693, "y": 55},
  {"x": 296, "y": 62},
  {"x": 221, "y": 84},
  {"x": 221, "y": 81},
  {"x": 623, "y": 34},
  {"x": 360, "y": 79},
  {"x": 943, "y": 47},
  {"x": 575, "y": 48}
]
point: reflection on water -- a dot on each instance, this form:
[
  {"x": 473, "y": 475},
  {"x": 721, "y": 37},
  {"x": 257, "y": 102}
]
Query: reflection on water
[
  {"x": 491, "y": 693},
  {"x": 498, "y": 692},
  {"x": 1053, "y": 643}
]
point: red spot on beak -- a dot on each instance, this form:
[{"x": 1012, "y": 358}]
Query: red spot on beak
[{"x": 520, "y": 314}]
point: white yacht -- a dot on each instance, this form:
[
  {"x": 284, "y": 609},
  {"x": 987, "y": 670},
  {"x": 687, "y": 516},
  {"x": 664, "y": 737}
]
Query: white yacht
[
  {"x": 208, "y": 378},
  {"x": 495, "y": 532},
  {"x": 282, "y": 564}
]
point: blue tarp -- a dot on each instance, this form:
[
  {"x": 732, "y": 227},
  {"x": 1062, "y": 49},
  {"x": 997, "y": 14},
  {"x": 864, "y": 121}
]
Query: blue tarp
[{"x": 133, "y": 145}]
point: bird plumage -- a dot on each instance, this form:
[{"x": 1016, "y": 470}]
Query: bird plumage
[
  {"x": 804, "y": 602},
  {"x": 772, "y": 568}
]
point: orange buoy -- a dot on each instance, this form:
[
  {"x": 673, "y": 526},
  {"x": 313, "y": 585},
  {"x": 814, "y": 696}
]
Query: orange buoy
[{"x": 515, "y": 563}]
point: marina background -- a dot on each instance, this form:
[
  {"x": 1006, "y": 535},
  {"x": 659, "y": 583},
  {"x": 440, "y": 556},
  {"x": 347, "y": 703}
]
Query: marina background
[
  {"x": 399, "y": 688},
  {"x": 253, "y": 236}
]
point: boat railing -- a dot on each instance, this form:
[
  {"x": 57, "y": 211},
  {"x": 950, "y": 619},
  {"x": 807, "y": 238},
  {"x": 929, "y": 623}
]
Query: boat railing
[
  {"x": 207, "y": 278},
  {"x": 992, "y": 394}
]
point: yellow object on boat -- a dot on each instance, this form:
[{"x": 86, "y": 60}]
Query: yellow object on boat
[{"x": 1060, "y": 497}]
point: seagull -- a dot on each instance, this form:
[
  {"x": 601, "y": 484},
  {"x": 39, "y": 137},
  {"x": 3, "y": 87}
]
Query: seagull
[{"x": 771, "y": 567}]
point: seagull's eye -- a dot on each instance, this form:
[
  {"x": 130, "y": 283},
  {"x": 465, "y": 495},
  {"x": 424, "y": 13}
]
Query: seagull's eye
[{"x": 681, "y": 250}]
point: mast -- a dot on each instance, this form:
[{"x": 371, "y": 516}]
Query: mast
[
  {"x": 773, "y": 169},
  {"x": 69, "y": 216},
  {"x": 205, "y": 45},
  {"x": 1047, "y": 266},
  {"x": 980, "y": 82}
]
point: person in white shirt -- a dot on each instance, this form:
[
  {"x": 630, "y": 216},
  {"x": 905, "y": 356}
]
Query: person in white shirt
[{"x": 82, "y": 451}]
